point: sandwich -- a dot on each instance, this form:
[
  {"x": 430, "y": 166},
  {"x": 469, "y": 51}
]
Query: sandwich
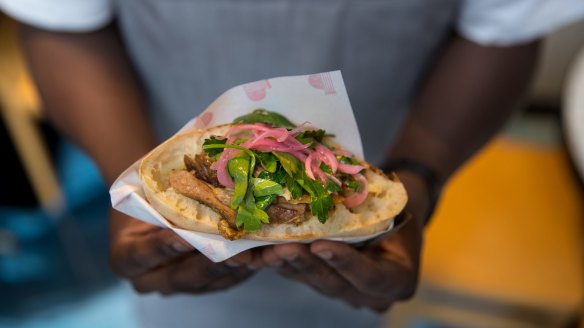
[{"x": 264, "y": 178}]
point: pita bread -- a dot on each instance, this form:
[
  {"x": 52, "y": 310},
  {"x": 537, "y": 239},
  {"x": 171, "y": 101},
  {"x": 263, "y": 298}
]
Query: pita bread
[{"x": 387, "y": 197}]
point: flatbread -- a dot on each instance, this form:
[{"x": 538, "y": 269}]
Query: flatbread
[{"x": 387, "y": 197}]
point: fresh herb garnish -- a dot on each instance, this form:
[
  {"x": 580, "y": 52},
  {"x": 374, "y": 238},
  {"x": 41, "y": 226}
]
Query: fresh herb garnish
[
  {"x": 238, "y": 168},
  {"x": 332, "y": 187},
  {"x": 263, "y": 187},
  {"x": 310, "y": 136},
  {"x": 347, "y": 160},
  {"x": 249, "y": 215},
  {"x": 265, "y": 201},
  {"x": 321, "y": 200},
  {"x": 268, "y": 161},
  {"x": 214, "y": 141},
  {"x": 352, "y": 184},
  {"x": 293, "y": 187},
  {"x": 279, "y": 176},
  {"x": 290, "y": 163},
  {"x": 326, "y": 168},
  {"x": 266, "y": 117},
  {"x": 254, "y": 191}
]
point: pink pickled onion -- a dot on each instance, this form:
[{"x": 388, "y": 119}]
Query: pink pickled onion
[
  {"x": 308, "y": 166},
  {"x": 306, "y": 126},
  {"x": 350, "y": 169},
  {"x": 321, "y": 175},
  {"x": 221, "y": 167},
  {"x": 242, "y": 127},
  {"x": 265, "y": 138},
  {"x": 357, "y": 198},
  {"x": 272, "y": 145},
  {"x": 334, "y": 179},
  {"x": 280, "y": 134},
  {"x": 298, "y": 154},
  {"x": 327, "y": 157}
]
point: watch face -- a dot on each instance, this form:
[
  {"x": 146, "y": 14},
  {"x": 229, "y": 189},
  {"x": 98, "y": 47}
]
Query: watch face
[{"x": 573, "y": 113}]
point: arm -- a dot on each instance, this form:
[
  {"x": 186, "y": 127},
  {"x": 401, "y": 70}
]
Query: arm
[
  {"x": 91, "y": 94},
  {"x": 468, "y": 94},
  {"x": 467, "y": 97}
]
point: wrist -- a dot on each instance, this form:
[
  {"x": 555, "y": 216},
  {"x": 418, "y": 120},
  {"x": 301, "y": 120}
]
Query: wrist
[
  {"x": 419, "y": 203},
  {"x": 422, "y": 184}
]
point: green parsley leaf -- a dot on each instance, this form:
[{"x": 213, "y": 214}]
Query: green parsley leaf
[
  {"x": 238, "y": 168},
  {"x": 321, "y": 202},
  {"x": 293, "y": 187},
  {"x": 352, "y": 184},
  {"x": 310, "y": 136},
  {"x": 320, "y": 207},
  {"x": 263, "y": 187},
  {"x": 268, "y": 161},
  {"x": 266, "y": 117},
  {"x": 247, "y": 219},
  {"x": 249, "y": 215},
  {"x": 265, "y": 201},
  {"x": 261, "y": 215},
  {"x": 279, "y": 176},
  {"x": 326, "y": 168},
  {"x": 347, "y": 160},
  {"x": 214, "y": 141},
  {"x": 290, "y": 163},
  {"x": 332, "y": 187}
]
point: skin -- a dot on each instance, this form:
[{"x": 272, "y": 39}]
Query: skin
[
  {"x": 467, "y": 96},
  {"x": 92, "y": 95}
]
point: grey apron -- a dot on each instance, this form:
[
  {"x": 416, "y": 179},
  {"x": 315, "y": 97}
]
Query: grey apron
[{"x": 188, "y": 52}]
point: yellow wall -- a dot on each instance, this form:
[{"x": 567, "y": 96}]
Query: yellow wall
[{"x": 510, "y": 228}]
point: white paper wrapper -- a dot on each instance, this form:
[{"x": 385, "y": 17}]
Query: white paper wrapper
[{"x": 318, "y": 98}]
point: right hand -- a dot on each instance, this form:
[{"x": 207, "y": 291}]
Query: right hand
[{"x": 155, "y": 259}]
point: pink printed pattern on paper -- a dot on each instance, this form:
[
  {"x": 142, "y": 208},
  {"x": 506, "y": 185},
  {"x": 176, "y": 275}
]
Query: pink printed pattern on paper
[
  {"x": 256, "y": 91},
  {"x": 322, "y": 81},
  {"x": 203, "y": 120}
]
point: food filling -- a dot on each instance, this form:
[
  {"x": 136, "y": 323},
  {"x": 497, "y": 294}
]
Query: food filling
[{"x": 266, "y": 170}]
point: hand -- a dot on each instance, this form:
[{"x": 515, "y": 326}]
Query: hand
[
  {"x": 154, "y": 259},
  {"x": 374, "y": 276}
]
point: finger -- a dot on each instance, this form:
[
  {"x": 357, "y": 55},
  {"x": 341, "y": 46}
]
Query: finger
[
  {"x": 270, "y": 258},
  {"x": 257, "y": 260},
  {"x": 358, "y": 269},
  {"x": 134, "y": 255},
  {"x": 250, "y": 258},
  {"x": 353, "y": 297},
  {"x": 317, "y": 273},
  {"x": 193, "y": 274}
]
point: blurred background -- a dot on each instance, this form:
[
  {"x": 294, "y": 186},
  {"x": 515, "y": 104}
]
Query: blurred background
[{"x": 504, "y": 249}]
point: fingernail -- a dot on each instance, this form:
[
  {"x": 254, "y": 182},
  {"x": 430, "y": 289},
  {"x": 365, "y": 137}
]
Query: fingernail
[
  {"x": 325, "y": 255},
  {"x": 181, "y": 247},
  {"x": 231, "y": 263}
]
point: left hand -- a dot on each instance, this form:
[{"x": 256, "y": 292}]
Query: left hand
[{"x": 374, "y": 276}]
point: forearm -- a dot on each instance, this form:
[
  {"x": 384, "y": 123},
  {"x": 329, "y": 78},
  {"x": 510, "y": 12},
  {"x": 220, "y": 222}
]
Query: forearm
[
  {"x": 91, "y": 95},
  {"x": 466, "y": 98}
]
